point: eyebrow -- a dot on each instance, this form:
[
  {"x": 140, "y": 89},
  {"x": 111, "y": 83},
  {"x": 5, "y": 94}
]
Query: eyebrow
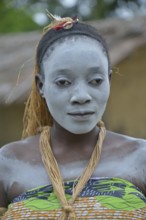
[
  {"x": 62, "y": 72},
  {"x": 96, "y": 69},
  {"x": 67, "y": 72}
]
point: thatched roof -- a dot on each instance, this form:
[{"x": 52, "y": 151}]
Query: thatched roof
[{"x": 18, "y": 51}]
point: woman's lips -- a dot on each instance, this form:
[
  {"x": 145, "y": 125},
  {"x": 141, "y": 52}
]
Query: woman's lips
[{"x": 81, "y": 114}]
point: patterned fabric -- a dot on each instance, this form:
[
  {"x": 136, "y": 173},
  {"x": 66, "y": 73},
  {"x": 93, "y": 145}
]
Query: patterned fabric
[{"x": 104, "y": 198}]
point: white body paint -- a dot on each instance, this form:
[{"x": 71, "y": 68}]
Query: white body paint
[
  {"x": 72, "y": 91},
  {"x": 29, "y": 176}
]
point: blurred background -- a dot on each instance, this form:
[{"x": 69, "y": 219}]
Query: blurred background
[{"x": 121, "y": 22}]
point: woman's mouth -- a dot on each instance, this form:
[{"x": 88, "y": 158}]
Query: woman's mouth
[{"x": 81, "y": 114}]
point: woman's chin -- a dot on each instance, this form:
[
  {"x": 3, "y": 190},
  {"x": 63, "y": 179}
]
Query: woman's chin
[{"x": 81, "y": 130}]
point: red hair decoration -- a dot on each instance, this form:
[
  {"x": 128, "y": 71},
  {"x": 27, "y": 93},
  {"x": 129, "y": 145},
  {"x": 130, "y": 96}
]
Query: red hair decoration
[{"x": 65, "y": 24}]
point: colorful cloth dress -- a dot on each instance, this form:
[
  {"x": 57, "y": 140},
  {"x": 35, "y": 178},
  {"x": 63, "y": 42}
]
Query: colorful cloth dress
[{"x": 101, "y": 198}]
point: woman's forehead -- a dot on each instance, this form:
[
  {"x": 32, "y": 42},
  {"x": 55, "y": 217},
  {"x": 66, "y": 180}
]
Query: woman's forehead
[
  {"x": 79, "y": 42},
  {"x": 76, "y": 56}
]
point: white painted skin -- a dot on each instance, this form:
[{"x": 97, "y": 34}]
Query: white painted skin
[
  {"x": 76, "y": 86},
  {"x": 76, "y": 80}
]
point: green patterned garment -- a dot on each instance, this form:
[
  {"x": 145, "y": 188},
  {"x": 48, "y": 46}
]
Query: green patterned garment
[{"x": 101, "y": 198}]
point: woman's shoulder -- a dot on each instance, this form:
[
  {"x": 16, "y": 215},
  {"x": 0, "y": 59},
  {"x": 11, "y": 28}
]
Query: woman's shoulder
[
  {"x": 19, "y": 149},
  {"x": 124, "y": 140},
  {"x": 128, "y": 155},
  {"x": 16, "y": 153},
  {"x": 15, "y": 161},
  {"x": 132, "y": 146}
]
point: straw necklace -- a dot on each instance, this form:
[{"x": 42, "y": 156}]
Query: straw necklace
[{"x": 50, "y": 163}]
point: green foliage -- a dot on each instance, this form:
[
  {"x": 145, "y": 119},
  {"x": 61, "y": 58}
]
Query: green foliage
[
  {"x": 16, "y": 15},
  {"x": 15, "y": 20},
  {"x": 102, "y": 9}
]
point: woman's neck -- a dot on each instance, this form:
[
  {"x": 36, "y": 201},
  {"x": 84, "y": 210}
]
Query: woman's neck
[{"x": 71, "y": 146}]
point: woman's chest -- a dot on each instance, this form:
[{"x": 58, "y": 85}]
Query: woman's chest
[{"x": 25, "y": 176}]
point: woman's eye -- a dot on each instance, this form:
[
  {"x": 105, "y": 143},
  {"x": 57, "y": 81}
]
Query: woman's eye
[
  {"x": 62, "y": 82},
  {"x": 96, "y": 81}
]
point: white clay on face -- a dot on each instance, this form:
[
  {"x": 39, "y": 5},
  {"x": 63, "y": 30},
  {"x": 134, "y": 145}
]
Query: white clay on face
[{"x": 76, "y": 86}]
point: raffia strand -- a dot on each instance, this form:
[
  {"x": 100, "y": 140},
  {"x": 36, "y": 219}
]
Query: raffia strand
[
  {"x": 52, "y": 166},
  {"x": 50, "y": 163},
  {"x": 94, "y": 160}
]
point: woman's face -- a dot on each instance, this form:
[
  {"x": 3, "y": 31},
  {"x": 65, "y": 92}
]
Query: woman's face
[{"x": 76, "y": 84}]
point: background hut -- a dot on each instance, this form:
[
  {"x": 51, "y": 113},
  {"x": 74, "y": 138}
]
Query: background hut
[{"x": 125, "y": 112}]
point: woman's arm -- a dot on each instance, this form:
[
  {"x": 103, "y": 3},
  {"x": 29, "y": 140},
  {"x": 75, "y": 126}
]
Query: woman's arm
[
  {"x": 3, "y": 200},
  {"x": 2, "y": 212},
  {"x": 3, "y": 197},
  {"x": 3, "y": 194}
]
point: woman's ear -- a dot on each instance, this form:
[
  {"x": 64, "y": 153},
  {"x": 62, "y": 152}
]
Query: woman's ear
[
  {"x": 110, "y": 75},
  {"x": 40, "y": 84}
]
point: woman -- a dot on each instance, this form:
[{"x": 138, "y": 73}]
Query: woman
[{"x": 66, "y": 167}]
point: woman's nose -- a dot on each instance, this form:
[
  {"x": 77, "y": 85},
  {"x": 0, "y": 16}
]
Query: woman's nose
[{"x": 80, "y": 96}]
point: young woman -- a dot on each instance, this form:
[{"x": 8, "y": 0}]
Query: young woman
[{"x": 67, "y": 166}]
